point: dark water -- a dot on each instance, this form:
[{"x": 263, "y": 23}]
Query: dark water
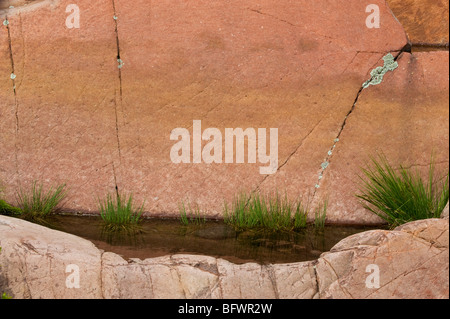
[{"x": 168, "y": 237}]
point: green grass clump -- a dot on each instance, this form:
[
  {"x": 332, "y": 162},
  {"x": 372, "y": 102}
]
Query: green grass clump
[
  {"x": 6, "y": 296},
  {"x": 8, "y": 210},
  {"x": 401, "y": 195},
  {"x": 5, "y": 208},
  {"x": 189, "y": 215},
  {"x": 119, "y": 214},
  {"x": 320, "y": 215},
  {"x": 271, "y": 213},
  {"x": 38, "y": 204}
]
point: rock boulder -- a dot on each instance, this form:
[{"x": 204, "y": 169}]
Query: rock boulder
[{"x": 410, "y": 262}]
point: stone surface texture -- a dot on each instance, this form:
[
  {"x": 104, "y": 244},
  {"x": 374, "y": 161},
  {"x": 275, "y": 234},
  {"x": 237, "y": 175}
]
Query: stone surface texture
[
  {"x": 71, "y": 115},
  {"x": 406, "y": 118},
  {"x": 425, "y": 21},
  {"x": 445, "y": 213},
  {"x": 413, "y": 262}
]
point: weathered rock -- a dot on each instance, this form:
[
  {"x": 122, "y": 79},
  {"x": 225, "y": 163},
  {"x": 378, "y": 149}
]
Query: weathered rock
[
  {"x": 215, "y": 74},
  {"x": 405, "y": 118},
  {"x": 246, "y": 281},
  {"x": 216, "y": 232},
  {"x": 176, "y": 277},
  {"x": 295, "y": 281},
  {"x": 431, "y": 230},
  {"x": 77, "y": 118},
  {"x": 23, "y": 4},
  {"x": 200, "y": 277},
  {"x": 60, "y": 120},
  {"x": 425, "y": 21},
  {"x": 35, "y": 262},
  {"x": 413, "y": 263},
  {"x": 445, "y": 213}
]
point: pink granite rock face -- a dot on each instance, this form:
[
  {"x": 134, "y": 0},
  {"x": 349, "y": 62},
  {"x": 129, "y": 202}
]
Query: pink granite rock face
[
  {"x": 94, "y": 106},
  {"x": 405, "y": 117},
  {"x": 66, "y": 91}
]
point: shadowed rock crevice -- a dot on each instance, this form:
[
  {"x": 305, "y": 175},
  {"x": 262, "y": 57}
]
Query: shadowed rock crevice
[
  {"x": 423, "y": 46},
  {"x": 120, "y": 64},
  {"x": 425, "y": 22},
  {"x": 270, "y": 271}
]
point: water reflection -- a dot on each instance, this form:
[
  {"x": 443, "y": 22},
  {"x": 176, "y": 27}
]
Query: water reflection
[
  {"x": 165, "y": 237},
  {"x": 127, "y": 237}
]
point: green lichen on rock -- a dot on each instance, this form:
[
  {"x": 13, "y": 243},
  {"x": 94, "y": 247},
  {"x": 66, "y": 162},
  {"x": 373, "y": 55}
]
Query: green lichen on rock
[{"x": 378, "y": 73}]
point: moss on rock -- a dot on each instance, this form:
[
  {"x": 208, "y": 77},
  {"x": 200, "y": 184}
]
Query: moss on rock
[{"x": 6, "y": 209}]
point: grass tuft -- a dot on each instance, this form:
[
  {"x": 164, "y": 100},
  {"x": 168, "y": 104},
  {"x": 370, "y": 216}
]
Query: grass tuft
[
  {"x": 37, "y": 204},
  {"x": 8, "y": 210},
  {"x": 271, "y": 213},
  {"x": 320, "y": 215},
  {"x": 189, "y": 215},
  {"x": 5, "y": 208},
  {"x": 6, "y": 296},
  {"x": 401, "y": 195},
  {"x": 119, "y": 214}
]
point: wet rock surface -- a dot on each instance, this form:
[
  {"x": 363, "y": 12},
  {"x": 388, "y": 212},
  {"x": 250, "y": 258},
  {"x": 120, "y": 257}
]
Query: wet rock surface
[
  {"x": 215, "y": 232},
  {"x": 159, "y": 238},
  {"x": 412, "y": 262}
]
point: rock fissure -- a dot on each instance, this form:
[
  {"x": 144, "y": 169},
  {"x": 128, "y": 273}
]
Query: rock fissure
[
  {"x": 316, "y": 278},
  {"x": 13, "y": 76},
  {"x": 272, "y": 16},
  {"x": 327, "y": 160},
  {"x": 116, "y": 186},
  {"x": 377, "y": 75},
  {"x": 102, "y": 293},
  {"x": 289, "y": 156},
  {"x": 173, "y": 267},
  {"x": 218, "y": 279},
  {"x": 430, "y": 46},
  {"x": 120, "y": 65},
  {"x": 273, "y": 280},
  {"x": 23, "y": 272}
]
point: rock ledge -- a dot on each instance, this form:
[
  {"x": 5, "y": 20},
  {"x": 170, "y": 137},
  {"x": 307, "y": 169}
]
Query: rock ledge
[{"x": 412, "y": 261}]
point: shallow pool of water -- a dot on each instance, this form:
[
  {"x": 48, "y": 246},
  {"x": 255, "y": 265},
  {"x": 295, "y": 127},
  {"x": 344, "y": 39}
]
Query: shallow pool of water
[{"x": 214, "y": 238}]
